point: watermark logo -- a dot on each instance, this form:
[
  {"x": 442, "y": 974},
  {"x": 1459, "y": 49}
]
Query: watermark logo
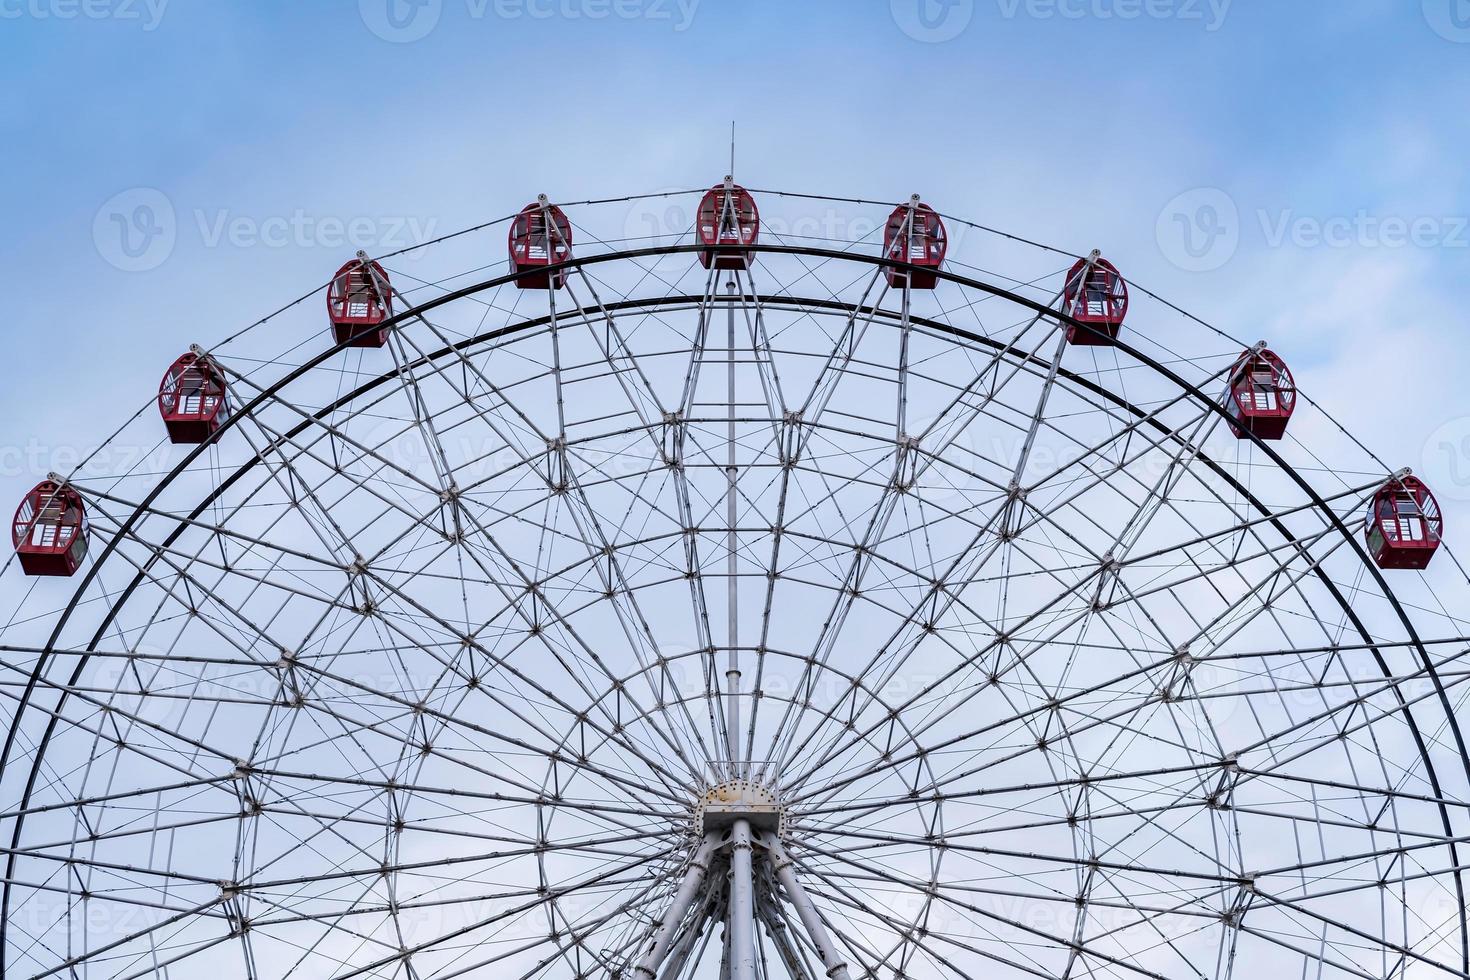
[
  {"x": 1440, "y": 910},
  {"x": 1199, "y": 230},
  {"x": 401, "y": 21},
  {"x": 932, "y": 21},
  {"x": 1450, "y": 19},
  {"x": 661, "y": 220},
  {"x": 1446, "y": 459},
  {"x": 136, "y": 230},
  {"x": 147, "y": 13}
]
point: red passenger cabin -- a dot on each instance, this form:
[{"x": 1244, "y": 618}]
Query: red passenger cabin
[
  {"x": 1404, "y": 524},
  {"x": 1262, "y": 395},
  {"x": 914, "y": 234},
  {"x": 1097, "y": 296},
  {"x": 540, "y": 236},
  {"x": 191, "y": 399},
  {"x": 50, "y": 530},
  {"x": 359, "y": 300},
  {"x": 727, "y": 218}
]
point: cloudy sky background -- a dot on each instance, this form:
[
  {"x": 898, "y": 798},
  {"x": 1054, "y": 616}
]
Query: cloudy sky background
[{"x": 1293, "y": 172}]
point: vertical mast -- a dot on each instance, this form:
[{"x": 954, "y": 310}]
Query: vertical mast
[{"x": 732, "y": 670}]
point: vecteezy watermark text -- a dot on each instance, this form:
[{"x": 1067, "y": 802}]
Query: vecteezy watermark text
[
  {"x": 936, "y": 21},
  {"x": 147, "y": 13},
  {"x": 138, "y": 229},
  {"x": 405, "y": 21},
  {"x": 1210, "y": 14},
  {"x": 1364, "y": 230},
  {"x": 1201, "y": 229},
  {"x": 301, "y": 229}
]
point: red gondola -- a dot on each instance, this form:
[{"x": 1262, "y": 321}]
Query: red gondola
[
  {"x": 359, "y": 299},
  {"x": 727, "y": 216},
  {"x": 540, "y": 236},
  {"x": 191, "y": 399},
  {"x": 1097, "y": 296},
  {"x": 1405, "y": 524},
  {"x": 1262, "y": 395},
  {"x": 914, "y": 234},
  {"x": 50, "y": 530}
]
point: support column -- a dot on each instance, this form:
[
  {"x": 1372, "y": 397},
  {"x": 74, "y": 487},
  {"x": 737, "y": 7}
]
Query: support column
[
  {"x": 781, "y": 939},
  {"x": 684, "y": 946},
  {"x": 740, "y": 926},
  {"x": 689, "y": 889},
  {"x": 816, "y": 929}
]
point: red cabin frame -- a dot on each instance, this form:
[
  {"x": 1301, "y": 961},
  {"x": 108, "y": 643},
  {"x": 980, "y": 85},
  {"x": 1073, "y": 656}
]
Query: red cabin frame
[
  {"x": 1262, "y": 395},
  {"x": 359, "y": 300},
  {"x": 914, "y": 234},
  {"x": 1404, "y": 524},
  {"x": 50, "y": 530},
  {"x": 191, "y": 399},
  {"x": 1096, "y": 295},
  {"x": 536, "y": 242},
  {"x": 727, "y": 217}
]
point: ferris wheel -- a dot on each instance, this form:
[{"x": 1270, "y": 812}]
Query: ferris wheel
[{"x": 708, "y": 599}]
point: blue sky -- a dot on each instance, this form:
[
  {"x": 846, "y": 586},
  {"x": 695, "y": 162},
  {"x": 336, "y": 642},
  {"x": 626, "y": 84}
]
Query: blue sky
[
  {"x": 1311, "y": 151},
  {"x": 1291, "y": 170}
]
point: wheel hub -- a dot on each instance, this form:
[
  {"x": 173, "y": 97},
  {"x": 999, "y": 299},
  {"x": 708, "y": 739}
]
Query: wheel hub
[{"x": 740, "y": 799}]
